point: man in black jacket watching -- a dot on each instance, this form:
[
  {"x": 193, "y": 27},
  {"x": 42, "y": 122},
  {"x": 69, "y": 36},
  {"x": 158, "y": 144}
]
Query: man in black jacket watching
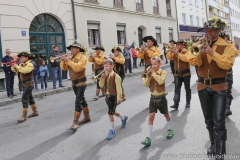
[
  {"x": 9, "y": 74},
  {"x": 56, "y": 70}
]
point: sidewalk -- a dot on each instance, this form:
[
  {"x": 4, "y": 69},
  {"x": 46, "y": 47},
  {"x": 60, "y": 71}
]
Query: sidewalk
[{"x": 4, "y": 100}]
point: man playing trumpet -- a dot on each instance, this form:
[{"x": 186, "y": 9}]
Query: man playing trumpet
[
  {"x": 182, "y": 72},
  {"x": 149, "y": 51},
  {"x": 98, "y": 60},
  {"x": 214, "y": 61},
  {"x": 77, "y": 71}
]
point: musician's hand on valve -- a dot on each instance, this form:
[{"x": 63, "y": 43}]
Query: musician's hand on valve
[
  {"x": 175, "y": 53},
  {"x": 65, "y": 58},
  {"x": 208, "y": 50}
]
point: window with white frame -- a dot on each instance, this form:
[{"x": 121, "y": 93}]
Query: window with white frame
[
  {"x": 184, "y": 18},
  {"x": 158, "y": 35},
  {"x": 191, "y": 20},
  {"x": 121, "y": 35},
  {"x": 196, "y": 3},
  {"x": 203, "y": 20},
  {"x": 202, "y": 4},
  {"x": 93, "y": 34},
  {"x": 190, "y": 1},
  {"x": 197, "y": 18}
]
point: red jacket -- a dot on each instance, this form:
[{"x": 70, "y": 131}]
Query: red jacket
[{"x": 134, "y": 53}]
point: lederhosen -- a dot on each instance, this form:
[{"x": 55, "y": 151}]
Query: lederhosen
[
  {"x": 28, "y": 85},
  {"x": 213, "y": 99},
  {"x": 111, "y": 99},
  {"x": 119, "y": 69},
  {"x": 98, "y": 69},
  {"x": 79, "y": 86},
  {"x": 182, "y": 75},
  {"x": 157, "y": 102}
]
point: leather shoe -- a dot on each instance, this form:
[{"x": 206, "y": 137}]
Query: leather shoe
[{"x": 187, "y": 105}]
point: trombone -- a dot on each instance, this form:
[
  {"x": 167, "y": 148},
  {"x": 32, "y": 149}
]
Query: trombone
[
  {"x": 91, "y": 53},
  {"x": 197, "y": 49},
  {"x": 97, "y": 77}
]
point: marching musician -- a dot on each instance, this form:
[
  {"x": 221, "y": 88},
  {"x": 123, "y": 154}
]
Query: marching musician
[
  {"x": 98, "y": 60},
  {"x": 182, "y": 72},
  {"x": 155, "y": 80},
  {"x": 9, "y": 74},
  {"x": 112, "y": 82},
  {"x": 229, "y": 77},
  {"x": 148, "y": 52},
  {"x": 172, "y": 45},
  {"x": 26, "y": 70},
  {"x": 119, "y": 61},
  {"x": 215, "y": 59},
  {"x": 76, "y": 64}
]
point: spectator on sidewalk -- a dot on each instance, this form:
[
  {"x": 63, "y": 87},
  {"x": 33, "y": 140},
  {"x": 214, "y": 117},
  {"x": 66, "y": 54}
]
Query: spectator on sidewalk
[
  {"x": 127, "y": 55},
  {"x": 35, "y": 75},
  {"x": 20, "y": 87},
  {"x": 56, "y": 70},
  {"x": 9, "y": 74},
  {"x": 141, "y": 60},
  {"x": 134, "y": 56},
  {"x": 44, "y": 73},
  {"x": 164, "y": 50}
]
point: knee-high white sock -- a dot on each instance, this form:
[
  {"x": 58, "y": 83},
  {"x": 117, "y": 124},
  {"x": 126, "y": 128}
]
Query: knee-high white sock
[
  {"x": 169, "y": 124},
  {"x": 111, "y": 125},
  {"x": 121, "y": 116},
  {"x": 150, "y": 128}
]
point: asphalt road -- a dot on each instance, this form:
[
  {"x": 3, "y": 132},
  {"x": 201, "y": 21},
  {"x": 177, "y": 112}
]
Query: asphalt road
[{"x": 47, "y": 137}]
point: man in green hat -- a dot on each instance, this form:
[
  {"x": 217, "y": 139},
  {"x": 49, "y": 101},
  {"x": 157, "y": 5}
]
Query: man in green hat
[{"x": 214, "y": 60}]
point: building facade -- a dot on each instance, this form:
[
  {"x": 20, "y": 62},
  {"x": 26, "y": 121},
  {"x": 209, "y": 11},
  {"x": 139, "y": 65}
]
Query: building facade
[
  {"x": 220, "y": 9},
  {"x": 191, "y": 16},
  {"x": 37, "y": 26},
  {"x": 116, "y": 22},
  {"x": 235, "y": 20}
]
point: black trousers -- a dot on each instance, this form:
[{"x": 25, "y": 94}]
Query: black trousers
[
  {"x": 178, "y": 85},
  {"x": 96, "y": 73},
  {"x": 141, "y": 62},
  {"x": 213, "y": 105},
  {"x": 229, "y": 79},
  {"x": 20, "y": 86},
  {"x": 172, "y": 66},
  {"x": 27, "y": 98},
  {"x": 80, "y": 101},
  {"x": 165, "y": 55},
  {"x": 122, "y": 82},
  {"x": 9, "y": 82},
  {"x": 128, "y": 65}
]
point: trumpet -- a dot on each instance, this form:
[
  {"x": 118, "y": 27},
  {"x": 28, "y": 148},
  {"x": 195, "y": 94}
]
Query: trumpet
[
  {"x": 58, "y": 59},
  {"x": 91, "y": 54},
  {"x": 170, "y": 48},
  {"x": 197, "y": 49},
  {"x": 97, "y": 77},
  {"x": 144, "y": 75}
]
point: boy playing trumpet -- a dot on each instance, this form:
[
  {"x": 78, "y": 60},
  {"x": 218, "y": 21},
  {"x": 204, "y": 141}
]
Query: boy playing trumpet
[
  {"x": 112, "y": 82},
  {"x": 155, "y": 80}
]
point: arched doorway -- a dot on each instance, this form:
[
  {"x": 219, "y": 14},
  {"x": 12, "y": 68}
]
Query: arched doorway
[
  {"x": 140, "y": 37},
  {"x": 44, "y": 33}
]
